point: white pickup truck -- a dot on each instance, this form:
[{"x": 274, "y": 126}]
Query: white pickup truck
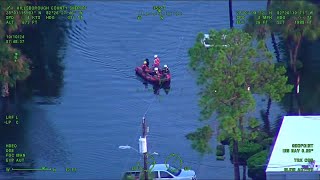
[{"x": 162, "y": 172}]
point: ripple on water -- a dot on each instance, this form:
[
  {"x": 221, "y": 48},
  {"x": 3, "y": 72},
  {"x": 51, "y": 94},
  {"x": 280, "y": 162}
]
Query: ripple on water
[
  {"x": 77, "y": 34},
  {"x": 50, "y": 145},
  {"x": 101, "y": 107},
  {"x": 105, "y": 61},
  {"x": 97, "y": 53}
]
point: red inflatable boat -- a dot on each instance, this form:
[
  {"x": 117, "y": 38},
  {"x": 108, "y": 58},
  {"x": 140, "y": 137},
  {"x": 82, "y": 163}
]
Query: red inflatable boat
[{"x": 153, "y": 79}]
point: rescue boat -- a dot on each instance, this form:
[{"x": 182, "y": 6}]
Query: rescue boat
[{"x": 153, "y": 79}]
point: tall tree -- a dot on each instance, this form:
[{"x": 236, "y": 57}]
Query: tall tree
[
  {"x": 303, "y": 24},
  {"x": 296, "y": 26},
  {"x": 228, "y": 75},
  {"x": 260, "y": 31},
  {"x": 275, "y": 91}
]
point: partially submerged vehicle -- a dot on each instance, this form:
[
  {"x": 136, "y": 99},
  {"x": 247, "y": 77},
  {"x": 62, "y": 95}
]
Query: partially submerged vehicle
[
  {"x": 162, "y": 172},
  {"x": 205, "y": 41},
  {"x": 206, "y": 38},
  {"x": 165, "y": 171}
]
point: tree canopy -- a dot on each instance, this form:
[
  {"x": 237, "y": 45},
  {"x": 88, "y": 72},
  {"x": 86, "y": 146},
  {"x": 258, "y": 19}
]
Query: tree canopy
[
  {"x": 229, "y": 72},
  {"x": 293, "y": 20},
  {"x": 13, "y": 65}
]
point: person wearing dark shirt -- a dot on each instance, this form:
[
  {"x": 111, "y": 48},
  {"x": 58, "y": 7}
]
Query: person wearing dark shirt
[{"x": 147, "y": 60}]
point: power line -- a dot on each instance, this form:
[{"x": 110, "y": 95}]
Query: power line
[{"x": 154, "y": 98}]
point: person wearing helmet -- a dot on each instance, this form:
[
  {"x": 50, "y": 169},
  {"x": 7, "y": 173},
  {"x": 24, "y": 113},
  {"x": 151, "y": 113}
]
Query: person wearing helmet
[
  {"x": 165, "y": 69},
  {"x": 145, "y": 67},
  {"x": 156, "y": 62},
  {"x": 157, "y": 72}
]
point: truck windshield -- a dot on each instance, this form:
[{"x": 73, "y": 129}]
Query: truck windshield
[{"x": 174, "y": 170}]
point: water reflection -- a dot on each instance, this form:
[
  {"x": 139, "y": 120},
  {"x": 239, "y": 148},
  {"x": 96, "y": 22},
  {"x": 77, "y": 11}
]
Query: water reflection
[
  {"x": 156, "y": 88},
  {"x": 44, "y": 45},
  {"x": 307, "y": 100},
  {"x": 13, "y": 133},
  {"x": 165, "y": 87},
  {"x": 34, "y": 136},
  {"x": 48, "y": 146}
]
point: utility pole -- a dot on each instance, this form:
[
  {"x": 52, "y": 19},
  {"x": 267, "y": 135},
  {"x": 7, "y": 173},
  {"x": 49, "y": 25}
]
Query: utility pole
[{"x": 145, "y": 155}]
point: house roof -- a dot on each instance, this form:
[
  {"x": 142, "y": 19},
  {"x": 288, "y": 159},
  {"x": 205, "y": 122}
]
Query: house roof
[{"x": 297, "y": 134}]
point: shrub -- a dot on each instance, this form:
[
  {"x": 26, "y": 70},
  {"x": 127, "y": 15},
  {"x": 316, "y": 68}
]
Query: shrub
[
  {"x": 220, "y": 150},
  {"x": 256, "y": 165}
]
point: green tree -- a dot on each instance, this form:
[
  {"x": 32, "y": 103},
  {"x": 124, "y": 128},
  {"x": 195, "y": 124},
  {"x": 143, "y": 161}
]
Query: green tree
[
  {"x": 8, "y": 28},
  {"x": 292, "y": 31},
  {"x": 248, "y": 146},
  {"x": 295, "y": 27},
  {"x": 276, "y": 90},
  {"x": 228, "y": 76},
  {"x": 13, "y": 65},
  {"x": 257, "y": 164},
  {"x": 12, "y": 68},
  {"x": 246, "y": 150},
  {"x": 200, "y": 139},
  {"x": 259, "y": 31}
]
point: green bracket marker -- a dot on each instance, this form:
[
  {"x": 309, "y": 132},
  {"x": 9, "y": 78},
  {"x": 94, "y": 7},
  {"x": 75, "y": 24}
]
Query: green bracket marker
[
  {"x": 175, "y": 159},
  {"x": 139, "y": 17}
]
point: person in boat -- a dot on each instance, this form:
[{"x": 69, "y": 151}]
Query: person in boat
[
  {"x": 156, "y": 61},
  {"x": 147, "y": 60},
  {"x": 165, "y": 69},
  {"x": 145, "y": 67},
  {"x": 156, "y": 72}
]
